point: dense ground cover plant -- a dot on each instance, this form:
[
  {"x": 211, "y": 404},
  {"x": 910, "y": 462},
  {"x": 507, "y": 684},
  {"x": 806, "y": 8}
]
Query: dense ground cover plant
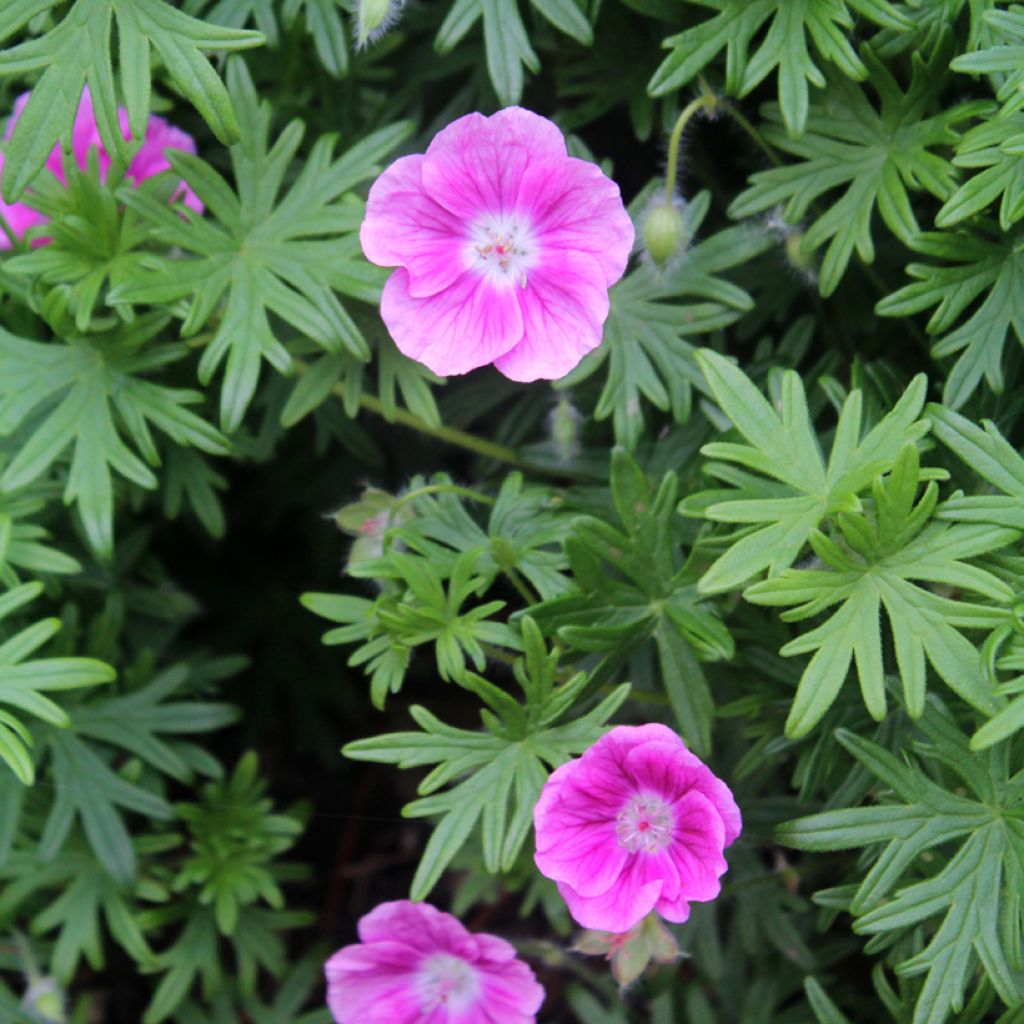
[{"x": 683, "y": 673}]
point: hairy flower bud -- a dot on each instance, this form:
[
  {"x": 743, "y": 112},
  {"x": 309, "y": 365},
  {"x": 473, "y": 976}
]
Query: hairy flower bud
[
  {"x": 43, "y": 1002},
  {"x": 374, "y": 18},
  {"x": 368, "y": 520},
  {"x": 664, "y": 229},
  {"x": 564, "y": 424}
]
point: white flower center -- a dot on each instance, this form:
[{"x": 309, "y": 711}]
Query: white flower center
[
  {"x": 446, "y": 980},
  {"x": 502, "y": 248},
  {"x": 645, "y": 824}
]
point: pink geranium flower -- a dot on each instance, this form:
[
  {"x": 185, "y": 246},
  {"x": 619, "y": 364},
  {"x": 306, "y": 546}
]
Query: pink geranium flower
[
  {"x": 149, "y": 160},
  {"x": 505, "y": 247},
  {"x": 415, "y": 964},
  {"x": 636, "y": 824}
]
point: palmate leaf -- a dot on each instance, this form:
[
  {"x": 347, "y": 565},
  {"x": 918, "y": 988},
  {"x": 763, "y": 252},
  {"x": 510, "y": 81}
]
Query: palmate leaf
[
  {"x": 967, "y": 907},
  {"x": 635, "y": 586},
  {"x": 928, "y": 21},
  {"x": 646, "y": 354},
  {"x": 506, "y": 42},
  {"x": 996, "y": 147},
  {"x": 794, "y": 489},
  {"x": 1003, "y": 58},
  {"x": 874, "y": 156},
  {"x": 781, "y": 28},
  {"x": 268, "y": 251},
  {"x": 77, "y": 51},
  {"x": 25, "y": 545},
  {"x": 88, "y": 394},
  {"x": 24, "y": 680},
  {"x": 497, "y": 773},
  {"x": 979, "y": 264},
  {"x": 323, "y": 20},
  {"x": 86, "y": 899},
  {"x": 879, "y": 561}
]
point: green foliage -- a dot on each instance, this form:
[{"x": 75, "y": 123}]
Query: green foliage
[
  {"x": 975, "y": 896},
  {"x": 633, "y": 587},
  {"x": 782, "y": 28},
  {"x": 878, "y": 561},
  {"x": 801, "y": 489},
  {"x": 984, "y": 267},
  {"x": 77, "y": 52},
  {"x": 25, "y": 680},
  {"x": 504, "y": 766},
  {"x": 265, "y": 251},
  {"x": 876, "y": 156},
  {"x": 506, "y": 43},
  {"x": 735, "y": 529}
]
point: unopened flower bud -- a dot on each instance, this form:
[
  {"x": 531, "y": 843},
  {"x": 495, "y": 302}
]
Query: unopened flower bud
[
  {"x": 564, "y": 424},
  {"x": 664, "y": 231},
  {"x": 374, "y": 18},
  {"x": 799, "y": 260},
  {"x": 368, "y": 520},
  {"x": 43, "y": 1002},
  {"x": 631, "y": 952}
]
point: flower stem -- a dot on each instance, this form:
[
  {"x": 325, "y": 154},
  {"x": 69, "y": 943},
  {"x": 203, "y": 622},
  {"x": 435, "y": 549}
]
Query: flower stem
[{"x": 707, "y": 100}]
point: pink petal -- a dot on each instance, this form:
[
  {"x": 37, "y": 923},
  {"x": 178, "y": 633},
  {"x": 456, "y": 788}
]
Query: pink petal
[
  {"x": 404, "y": 227},
  {"x": 467, "y": 325},
  {"x": 419, "y": 926},
  {"x": 572, "y": 205},
  {"x": 509, "y": 995},
  {"x": 372, "y": 985},
  {"x": 616, "y": 910},
  {"x": 477, "y": 163},
  {"x": 696, "y": 847},
  {"x": 564, "y": 306}
]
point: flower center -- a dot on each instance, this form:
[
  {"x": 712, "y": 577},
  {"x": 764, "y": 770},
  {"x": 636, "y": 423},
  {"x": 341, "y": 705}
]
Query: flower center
[
  {"x": 645, "y": 824},
  {"x": 446, "y": 980},
  {"x": 502, "y": 248}
]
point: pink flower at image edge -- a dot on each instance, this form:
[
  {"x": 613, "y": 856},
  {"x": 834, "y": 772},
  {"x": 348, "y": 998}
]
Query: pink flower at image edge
[
  {"x": 149, "y": 160},
  {"x": 637, "y": 824},
  {"x": 505, "y": 247},
  {"x": 415, "y": 964}
]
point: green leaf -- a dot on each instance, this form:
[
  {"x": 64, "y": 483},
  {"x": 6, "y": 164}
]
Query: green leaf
[
  {"x": 77, "y": 52},
  {"x": 781, "y": 28},
  {"x": 801, "y": 489},
  {"x": 970, "y": 902},
  {"x": 1002, "y": 60},
  {"x": 24, "y": 680},
  {"x": 874, "y": 155},
  {"x": 985, "y": 266},
  {"x": 879, "y": 562},
  {"x": 646, "y": 354},
  {"x": 263, "y": 251},
  {"x": 88, "y": 394}
]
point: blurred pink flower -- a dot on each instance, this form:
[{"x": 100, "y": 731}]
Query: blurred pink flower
[
  {"x": 505, "y": 247},
  {"x": 149, "y": 160},
  {"x": 636, "y": 824},
  {"x": 415, "y": 964}
]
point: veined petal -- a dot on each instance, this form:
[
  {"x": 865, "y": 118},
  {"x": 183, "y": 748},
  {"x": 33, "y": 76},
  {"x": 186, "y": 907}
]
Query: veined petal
[
  {"x": 564, "y": 307},
  {"x": 476, "y": 165},
  {"x": 404, "y": 227},
  {"x": 571, "y": 204},
  {"x": 467, "y": 325}
]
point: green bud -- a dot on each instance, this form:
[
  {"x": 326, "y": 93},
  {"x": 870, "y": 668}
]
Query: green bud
[
  {"x": 630, "y": 953},
  {"x": 43, "y": 1003},
  {"x": 374, "y": 18},
  {"x": 565, "y": 429},
  {"x": 664, "y": 232},
  {"x": 795, "y": 255},
  {"x": 367, "y": 520}
]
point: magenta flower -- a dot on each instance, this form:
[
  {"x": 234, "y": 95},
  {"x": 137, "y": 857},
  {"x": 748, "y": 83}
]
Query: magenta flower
[
  {"x": 636, "y": 824},
  {"x": 149, "y": 160},
  {"x": 505, "y": 247},
  {"x": 415, "y": 964}
]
